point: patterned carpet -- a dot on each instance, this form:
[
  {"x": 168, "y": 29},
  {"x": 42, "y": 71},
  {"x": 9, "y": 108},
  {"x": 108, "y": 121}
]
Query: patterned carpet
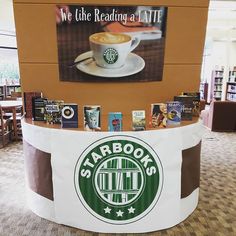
[{"x": 215, "y": 215}]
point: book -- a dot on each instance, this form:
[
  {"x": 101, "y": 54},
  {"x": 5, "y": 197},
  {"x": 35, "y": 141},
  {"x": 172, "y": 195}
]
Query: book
[
  {"x": 138, "y": 120},
  {"x": 52, "y": 113},
  {"x": 174, "y": 113},
  {"x": 38, "y": 108},
  {"x": 92, "y": 118},
  {"x": 158, "y": 117},
  {"x": 115, "y": 121},
  {"x": 28, "y": 103},
  {"x": 196, "y": 102},
  {"x": 187, "y": 106},
  {"x": 144, "y": 31},
  {"x": 69, "y": 116}
]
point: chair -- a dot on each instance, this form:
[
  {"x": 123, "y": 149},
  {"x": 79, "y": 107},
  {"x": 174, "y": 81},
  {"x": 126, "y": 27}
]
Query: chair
[
  {"x": 19, "y": 116},
  {"x": 4, "y": 128},
  {"x": 16, "y": 95}
]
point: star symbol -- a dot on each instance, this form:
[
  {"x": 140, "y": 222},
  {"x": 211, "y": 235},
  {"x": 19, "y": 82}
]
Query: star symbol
[
  {"x": 107, "y": 210},
  {"x": 131, "y": 210},
  {"x": 119, "y": 213}
]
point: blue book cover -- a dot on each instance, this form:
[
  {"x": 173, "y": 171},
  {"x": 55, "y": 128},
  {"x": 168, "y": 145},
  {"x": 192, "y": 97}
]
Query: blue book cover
[
  {"x": 174, "y": 110},
  {"x": 92, "y": 118},
  {"x": 69, "y": 116},
  {"x": 115, "y": 121}
]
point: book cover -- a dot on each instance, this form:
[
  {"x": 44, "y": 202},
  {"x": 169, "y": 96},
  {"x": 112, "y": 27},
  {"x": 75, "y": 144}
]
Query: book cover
[
  {"x": 115, "y": 121},
  {"x": 52, "y": 113},
  {"x": 174, "y": 113},
  {"x": 28, "y": 103},
  {"x": 38, "y": 107},
  {"x": 92, "y": 118},
  {"x": 138, "y": 120},
  {"x": 158, "y": 117},
  {"x": 196, "y": 102},
  {"x": 145, "y": 32},
  {"x": 69, "y": 116},
  {"x": 187, "y": 106}
]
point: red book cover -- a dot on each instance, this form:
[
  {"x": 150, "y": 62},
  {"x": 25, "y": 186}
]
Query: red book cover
[{"x": 28, "y": 97}]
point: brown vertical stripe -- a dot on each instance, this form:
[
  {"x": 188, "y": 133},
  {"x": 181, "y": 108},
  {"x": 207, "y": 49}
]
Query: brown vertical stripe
[
  {"x": 190, "y": 172},
  {"x": 38, "y": 170}
]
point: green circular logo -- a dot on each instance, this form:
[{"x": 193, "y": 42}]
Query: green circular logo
[
  {"x": 110, "y": 55},
  {"x": 118, "y": 179}
]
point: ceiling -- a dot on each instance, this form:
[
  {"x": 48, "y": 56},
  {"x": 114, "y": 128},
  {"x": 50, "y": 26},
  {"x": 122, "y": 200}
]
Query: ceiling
[
  {"x": 7, "y": 25},
  {"x": 222, "y": 21}
]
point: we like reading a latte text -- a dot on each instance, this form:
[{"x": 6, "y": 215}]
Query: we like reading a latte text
[{"x": 80, "y": 14}]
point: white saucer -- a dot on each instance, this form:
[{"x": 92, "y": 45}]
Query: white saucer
[{"x": 133, "y": 65}]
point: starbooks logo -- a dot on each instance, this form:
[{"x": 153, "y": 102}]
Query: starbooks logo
[
  {"x": 110, "y": 55},
  {"x": 118, "y": 179}
]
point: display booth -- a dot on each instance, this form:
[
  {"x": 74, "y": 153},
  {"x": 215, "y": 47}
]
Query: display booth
[{"x": 121, "y": 57}]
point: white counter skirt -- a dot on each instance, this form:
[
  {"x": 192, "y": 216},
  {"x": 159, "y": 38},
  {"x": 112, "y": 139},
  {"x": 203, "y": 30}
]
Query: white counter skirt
[{"x": 120, "y": 182}]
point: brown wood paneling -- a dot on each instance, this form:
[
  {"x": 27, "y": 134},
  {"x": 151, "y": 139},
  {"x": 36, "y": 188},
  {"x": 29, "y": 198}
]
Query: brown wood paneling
[
  {"x": 186, "y": 28},
  {"x": 191, "y": 3},
  {"x": 122, "y": 97},
  {"x": 38, "y": 171},
  {"x": 190, "y": 171},
  {"x": 36, "y": 34}
]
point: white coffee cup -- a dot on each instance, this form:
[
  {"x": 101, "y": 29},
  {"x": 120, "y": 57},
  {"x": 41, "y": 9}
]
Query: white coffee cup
[{"x": 110, "y": 50}]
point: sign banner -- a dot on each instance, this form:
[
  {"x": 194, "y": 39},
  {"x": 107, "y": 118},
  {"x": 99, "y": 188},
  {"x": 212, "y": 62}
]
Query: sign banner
[
  {"x": 117, "y": 183},
  {"x": 110, "y": 43}
]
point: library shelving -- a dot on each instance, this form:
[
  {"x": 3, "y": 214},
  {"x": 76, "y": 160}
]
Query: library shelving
[
  {"x": 216, "y": 85},
  {"x": 203, "y": 91},
  {"x": 231, "y": 86}
]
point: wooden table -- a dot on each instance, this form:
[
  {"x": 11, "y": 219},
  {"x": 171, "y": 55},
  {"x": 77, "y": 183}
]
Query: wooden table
[{"x": 13, "y": 106}]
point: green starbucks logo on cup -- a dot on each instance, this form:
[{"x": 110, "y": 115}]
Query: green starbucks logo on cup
[
  {"x": 118, "y": 179},
  {"x": 110, "y": 55}
]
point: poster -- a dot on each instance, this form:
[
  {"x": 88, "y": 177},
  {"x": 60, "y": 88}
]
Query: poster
[{"x": 110, "y": 43}]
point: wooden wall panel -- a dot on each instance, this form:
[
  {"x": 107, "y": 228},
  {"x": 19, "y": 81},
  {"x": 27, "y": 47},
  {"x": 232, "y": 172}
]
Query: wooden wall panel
[
  {"x": 36, "y": 34},
  {"x": 186, "y": 28},
  {"x": 37, "y": 45},
  {"x": 114, "y": 96},
  {"x": 191, "y": 3}
]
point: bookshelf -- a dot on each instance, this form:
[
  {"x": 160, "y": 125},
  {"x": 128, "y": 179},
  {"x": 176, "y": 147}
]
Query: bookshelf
[
  {"x": 6, "y": 90},
  {"x": 2, "y": 92},
  {"x": 203, "y": 91},
  {"x": 216, "y": 85},
  {"x": 232, "y": 76},
  {"x": 11, "y": 88},
  {"x": 231, "y": 91},
  {"x": 231, "y": 87}
]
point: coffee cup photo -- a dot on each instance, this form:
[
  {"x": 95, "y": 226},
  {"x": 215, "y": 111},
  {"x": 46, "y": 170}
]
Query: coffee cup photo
[{"x": 110, "y": 50}]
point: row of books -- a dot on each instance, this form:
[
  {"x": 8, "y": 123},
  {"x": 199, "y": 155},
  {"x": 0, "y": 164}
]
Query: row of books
[{"x": 184, "y": 107}]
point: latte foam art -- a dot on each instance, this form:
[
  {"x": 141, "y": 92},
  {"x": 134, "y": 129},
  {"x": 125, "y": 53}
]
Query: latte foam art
[{"x": 110, "y": 38}]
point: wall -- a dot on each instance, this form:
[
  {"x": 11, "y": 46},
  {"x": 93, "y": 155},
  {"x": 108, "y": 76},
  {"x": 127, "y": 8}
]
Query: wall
[{"x": 36, "y": 37}]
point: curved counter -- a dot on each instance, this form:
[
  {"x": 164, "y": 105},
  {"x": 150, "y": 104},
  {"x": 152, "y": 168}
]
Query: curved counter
[{"x": 121, "y": 182}]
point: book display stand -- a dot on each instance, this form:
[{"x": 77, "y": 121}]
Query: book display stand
[
  {"x": 55, "y": 152},
  {"x": 109, "y": 61}
]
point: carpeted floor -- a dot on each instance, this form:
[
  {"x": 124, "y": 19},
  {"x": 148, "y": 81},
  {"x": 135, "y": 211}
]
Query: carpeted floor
[{"x": 215, "y": 215}]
